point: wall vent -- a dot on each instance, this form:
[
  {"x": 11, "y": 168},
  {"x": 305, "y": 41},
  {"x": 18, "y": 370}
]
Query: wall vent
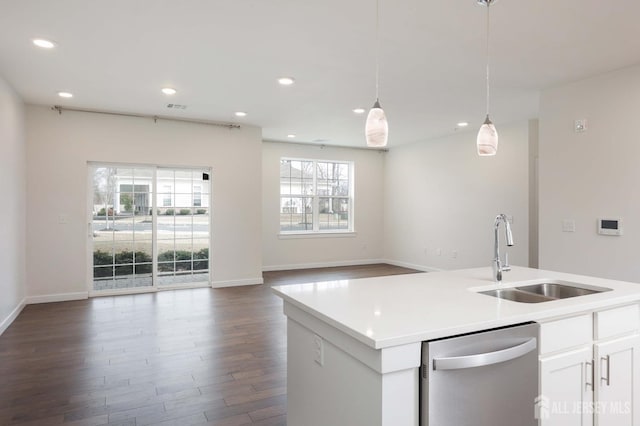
[{"x": 176, "y": 106}]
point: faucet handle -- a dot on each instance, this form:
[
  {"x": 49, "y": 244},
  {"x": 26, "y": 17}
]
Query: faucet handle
[{"x": 506, "y": 266}]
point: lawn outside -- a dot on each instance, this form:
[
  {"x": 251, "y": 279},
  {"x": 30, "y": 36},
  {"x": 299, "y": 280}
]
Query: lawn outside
[{"x": 182, "y": 250}]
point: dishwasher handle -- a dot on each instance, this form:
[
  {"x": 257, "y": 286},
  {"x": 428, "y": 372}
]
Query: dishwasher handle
[{"x": 489, "y": 358}]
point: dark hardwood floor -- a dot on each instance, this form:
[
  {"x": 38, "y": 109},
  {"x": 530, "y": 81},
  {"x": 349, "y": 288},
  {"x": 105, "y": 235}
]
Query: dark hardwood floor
[{"x": 185, "y": 357}]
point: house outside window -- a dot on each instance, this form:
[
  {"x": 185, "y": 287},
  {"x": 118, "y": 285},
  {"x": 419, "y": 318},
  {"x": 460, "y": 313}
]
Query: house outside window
[
  {"x": 197, "y": 196},
  {"x": 166, "y": 196},
  {"x": 316, "y": 196}
]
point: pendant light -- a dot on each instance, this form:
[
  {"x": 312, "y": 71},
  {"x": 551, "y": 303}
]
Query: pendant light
[
  {"x": 377, "y": 128},
  {"x": 487, "y": 141}
]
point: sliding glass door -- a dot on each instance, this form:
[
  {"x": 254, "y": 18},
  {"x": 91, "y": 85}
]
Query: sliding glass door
[
  {"x": 183, "y": 227},
  {"x": 149, "y": 228}
]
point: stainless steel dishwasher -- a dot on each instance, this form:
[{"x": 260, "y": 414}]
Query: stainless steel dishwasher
[{"x": 488, "y": 378}]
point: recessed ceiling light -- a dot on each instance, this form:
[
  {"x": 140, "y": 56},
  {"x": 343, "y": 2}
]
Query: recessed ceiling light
[
  {"x": 65, "y": 94},
  {"x": 286, "y": 81},
  {"x": 359, "y": 110},
  {"x": 45, "y": 44},
  {"x": 169, "y": 91},
  {"x": 463, "y": 124},
  {"x": 291, "y": 136},
  {"x": 240, "y": 114}
]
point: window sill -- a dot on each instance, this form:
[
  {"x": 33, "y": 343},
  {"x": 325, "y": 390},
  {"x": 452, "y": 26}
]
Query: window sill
[{"x": 326, "y": 234}]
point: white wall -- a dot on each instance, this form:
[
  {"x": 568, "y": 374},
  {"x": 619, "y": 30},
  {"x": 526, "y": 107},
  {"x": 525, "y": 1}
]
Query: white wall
[
  {"x": 584, "y": 176},
  {"x": 364, "y": 247},
  {"x": 58, "y": 148},
  {"x": 13, "y": 179},
  {"x": 441, "y": 195}
]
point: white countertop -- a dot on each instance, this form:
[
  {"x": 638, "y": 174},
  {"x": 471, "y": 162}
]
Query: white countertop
[{"x": 400, "y": 309}]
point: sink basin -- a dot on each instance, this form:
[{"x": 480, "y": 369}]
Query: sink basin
[
  {"x": 544, "y": 292},
  {"x": 517, "y": 295},
  {"x": 561, "y": 291}
]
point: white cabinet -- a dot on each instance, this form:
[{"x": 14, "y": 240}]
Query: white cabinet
[
  {"x": 566, "y": 385},
  {"x": 590, "y": 369},
  {"x": 617, "y": 392}
]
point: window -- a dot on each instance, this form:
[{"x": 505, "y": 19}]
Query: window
[
  {"x": 316, "y": 196},
  {"x": 197, "y": 196}
]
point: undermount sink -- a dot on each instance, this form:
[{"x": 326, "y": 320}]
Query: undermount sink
[
  {"x": 517, "y": 295},
  {"x": 544, "y": 292},
  {"x": 561, "y": 291}
]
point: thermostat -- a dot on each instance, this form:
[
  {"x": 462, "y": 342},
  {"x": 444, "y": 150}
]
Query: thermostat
[{"x": 610, "y": 226}]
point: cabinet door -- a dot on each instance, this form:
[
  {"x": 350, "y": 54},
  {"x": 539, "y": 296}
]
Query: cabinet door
[
  {"x": 617, "y": 377},
  {"x": 566, "y": 389}
]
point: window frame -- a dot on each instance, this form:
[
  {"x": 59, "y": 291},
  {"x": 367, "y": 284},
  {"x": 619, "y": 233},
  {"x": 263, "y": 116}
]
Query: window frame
[{"x": 315, "y": 229}]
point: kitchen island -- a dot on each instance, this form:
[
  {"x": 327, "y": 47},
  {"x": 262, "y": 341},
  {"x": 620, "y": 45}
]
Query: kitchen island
[{"x": 354, "y": 346}]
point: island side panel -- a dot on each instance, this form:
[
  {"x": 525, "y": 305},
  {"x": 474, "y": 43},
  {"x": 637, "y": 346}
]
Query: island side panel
[
  {"x": 401, "y": 397},
  {"x": 343, "y": 391}
]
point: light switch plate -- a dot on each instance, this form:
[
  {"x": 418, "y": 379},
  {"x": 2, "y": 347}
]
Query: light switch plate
[{"x": 568, "y": 225}]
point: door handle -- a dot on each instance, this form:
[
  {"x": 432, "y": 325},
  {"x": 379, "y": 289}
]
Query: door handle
[
  {"x": 607, "y": 379},
  {"x": 488, "y": 358},
  {"x": 589, "y": 373}
]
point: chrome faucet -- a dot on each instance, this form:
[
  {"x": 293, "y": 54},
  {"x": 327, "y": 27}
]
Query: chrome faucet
[{"x": 498, "y": 267}]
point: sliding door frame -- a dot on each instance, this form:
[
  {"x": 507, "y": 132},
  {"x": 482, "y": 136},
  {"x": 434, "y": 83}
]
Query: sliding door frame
[{"x": 91, "y": 165}]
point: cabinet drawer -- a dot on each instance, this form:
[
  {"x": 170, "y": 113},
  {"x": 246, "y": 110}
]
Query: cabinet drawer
[
  {"x": 617, "y": 321},
  {"x": 565, "y": 333}
]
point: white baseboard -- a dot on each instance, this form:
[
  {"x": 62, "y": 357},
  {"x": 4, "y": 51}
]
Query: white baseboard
[
  {"x": 61, "y": 297},
  {"x": 423, "y": 268},
  {"x": 236, "y": 283},
  {"x": 322, "y": 264},
  {"x": 12, "y": 316},
  {"x": 147, "y": 290}
]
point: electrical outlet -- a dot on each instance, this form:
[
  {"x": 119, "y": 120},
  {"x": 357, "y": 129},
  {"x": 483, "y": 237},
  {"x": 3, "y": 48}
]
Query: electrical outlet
[
  {"x": 438, "y": 252},
  {"x": 318, "y": 349},
  {"x": 454, "y": 254}
]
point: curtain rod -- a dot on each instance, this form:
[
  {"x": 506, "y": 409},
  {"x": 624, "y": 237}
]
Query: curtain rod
[{"x": 155, "y": 118}]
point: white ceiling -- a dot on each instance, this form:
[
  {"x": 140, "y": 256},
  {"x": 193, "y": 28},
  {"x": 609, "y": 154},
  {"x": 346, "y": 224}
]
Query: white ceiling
[{"x": 225, "y": 56}]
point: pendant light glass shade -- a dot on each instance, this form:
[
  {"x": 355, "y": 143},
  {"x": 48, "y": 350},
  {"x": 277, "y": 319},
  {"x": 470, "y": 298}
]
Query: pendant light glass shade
[
  {"x": 377, "y": 128},
  {"x": 487, "y": 139}
]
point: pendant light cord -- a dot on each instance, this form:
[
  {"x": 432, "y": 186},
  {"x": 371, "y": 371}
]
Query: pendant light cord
[
  {"x": 487, "y": 47},
  {"x": 377, "y": 48}
]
